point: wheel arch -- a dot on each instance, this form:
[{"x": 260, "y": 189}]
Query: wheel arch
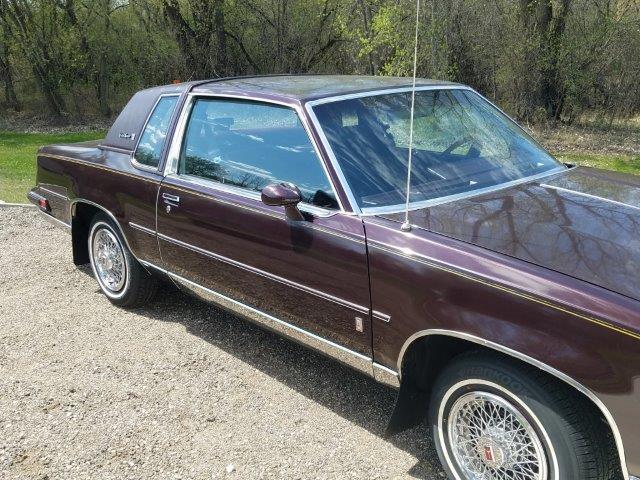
[
  {"x": 81, "y": 211},
  {"x": 448, "y": 344}
]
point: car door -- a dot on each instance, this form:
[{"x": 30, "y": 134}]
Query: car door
[{"x": 307, "y": 277}]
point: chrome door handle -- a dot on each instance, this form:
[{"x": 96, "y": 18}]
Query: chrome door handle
[{"x": 171, "y": 199}]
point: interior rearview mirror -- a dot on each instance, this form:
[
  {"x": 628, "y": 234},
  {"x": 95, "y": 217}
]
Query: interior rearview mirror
[{"x": 285, "y": 195}]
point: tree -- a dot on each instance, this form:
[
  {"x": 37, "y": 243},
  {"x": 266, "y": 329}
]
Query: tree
[
  {"x": 20, "y": 19},
  {"x": 199, "y": 29},
  {"x": 545, "y": 22},
  {"x": 6, "y": 75}
]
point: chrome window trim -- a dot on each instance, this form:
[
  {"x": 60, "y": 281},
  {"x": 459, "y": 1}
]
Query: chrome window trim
[
  {"x": 136, "y": 163},
  {"x": 244, "y": 193},
  {"x": 173, "y": 154},
  {"x": 399, "y": 208},
  {"x": 270, "y": 276},
  {"x": 271, "y": 213},
  {"x": 531, "y": 361},
  {"x": 345, "y": 355},
  {"x": 413, "y": 205},
  {"x": 115, "y": 149}
]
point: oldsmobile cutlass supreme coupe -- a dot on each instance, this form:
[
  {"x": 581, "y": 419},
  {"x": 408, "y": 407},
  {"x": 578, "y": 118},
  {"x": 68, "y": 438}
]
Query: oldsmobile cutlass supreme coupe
[{"x": 508, "y": 314}]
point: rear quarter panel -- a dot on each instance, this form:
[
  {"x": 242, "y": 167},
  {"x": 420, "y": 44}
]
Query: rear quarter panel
[{"x": 106, "y": 178}]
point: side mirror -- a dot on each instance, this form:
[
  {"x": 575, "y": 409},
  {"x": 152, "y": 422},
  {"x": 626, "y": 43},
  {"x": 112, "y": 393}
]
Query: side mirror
[{"x": 285, "y": 195}]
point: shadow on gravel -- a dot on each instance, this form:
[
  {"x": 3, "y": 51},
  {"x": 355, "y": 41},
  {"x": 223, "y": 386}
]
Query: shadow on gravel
[{"x": 350, "y": 394}]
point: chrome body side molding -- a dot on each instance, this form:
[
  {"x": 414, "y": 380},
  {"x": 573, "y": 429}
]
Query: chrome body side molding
[
  {"x": 344, "y": 355},
  {"x": 531, "y": 361},
  {"x": 55, "y": 222},
  {"x": 381, "y": 316},
  {"x": 142, "y": 228},
  {"x": 51, "y": 192},
  {"x": 257, "y": 271},
  {"x": 385, "y": 375}
]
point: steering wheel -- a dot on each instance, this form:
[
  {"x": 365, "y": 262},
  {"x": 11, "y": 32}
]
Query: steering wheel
[{"x": 458, "y": 143}]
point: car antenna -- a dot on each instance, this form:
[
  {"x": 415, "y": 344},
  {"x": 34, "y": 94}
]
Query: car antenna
[{"x": 406, "y": 226}]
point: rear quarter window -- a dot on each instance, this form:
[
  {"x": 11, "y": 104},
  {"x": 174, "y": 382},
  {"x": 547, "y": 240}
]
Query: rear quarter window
[{"x": 154, "y": 135}]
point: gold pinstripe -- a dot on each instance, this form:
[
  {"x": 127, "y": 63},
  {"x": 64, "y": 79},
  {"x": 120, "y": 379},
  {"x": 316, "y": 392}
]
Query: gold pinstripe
[
  {"x": 541, "y": 301},
  {"x": 100, "y": 167},
  {"x": 263, "y": 212},
  {"x": 195, "y": 192}
]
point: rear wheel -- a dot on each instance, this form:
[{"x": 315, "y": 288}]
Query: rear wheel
[
  {"x": 492, "y": 419},
  {"x": 120, "y": 276}
]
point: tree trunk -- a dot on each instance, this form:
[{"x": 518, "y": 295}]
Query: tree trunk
[
  {"x": 102, "y": 84},
  {"x": 552, "y": 90},
  {"x": 546, "y": 21},
  {"x": 50, "y": 91},
  {"x": 6, "y": 75},
  {"x": 222, "y": 68},
  {"x": 366, "y": 22},
  {"x": 20, "y": 20},
  {"x": 101, "y": 75},
  {"x": 183, "y": 34}
]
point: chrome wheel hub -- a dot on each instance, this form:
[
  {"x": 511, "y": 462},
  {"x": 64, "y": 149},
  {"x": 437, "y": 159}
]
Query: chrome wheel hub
[
  {"x": 108, "y": 260},
  {"x": 491, "y": 440}
]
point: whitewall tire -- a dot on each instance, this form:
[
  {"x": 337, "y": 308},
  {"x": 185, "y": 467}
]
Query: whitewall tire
[
  {"x": 120, "y": 276},
  {"x": 496, "y": 419}
]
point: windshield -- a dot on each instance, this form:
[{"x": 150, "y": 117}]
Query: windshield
[{"x": 461, "y": 144}]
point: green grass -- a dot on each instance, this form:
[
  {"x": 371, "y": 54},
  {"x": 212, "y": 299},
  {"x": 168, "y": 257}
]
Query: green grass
[
  {"x": 619, "y": 163},
  {"x": 18, "y": 159}
]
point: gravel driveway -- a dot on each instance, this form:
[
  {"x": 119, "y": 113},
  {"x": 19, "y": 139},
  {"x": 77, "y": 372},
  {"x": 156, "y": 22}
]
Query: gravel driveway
[{"x": 177, "y": 390}]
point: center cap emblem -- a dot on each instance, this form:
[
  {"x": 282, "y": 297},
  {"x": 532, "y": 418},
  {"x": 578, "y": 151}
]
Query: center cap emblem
[
  {"x": 491, "y": 453},
  {"x": 488, "y": 453}
]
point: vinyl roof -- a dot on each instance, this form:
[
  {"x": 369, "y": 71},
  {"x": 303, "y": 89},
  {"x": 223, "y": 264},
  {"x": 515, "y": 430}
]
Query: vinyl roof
[{"x": 308, "y": 87}]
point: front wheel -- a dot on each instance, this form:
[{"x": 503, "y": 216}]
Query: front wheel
[
  {"x": 120, "y": 277},
  {"x": 492, "y": 419}
]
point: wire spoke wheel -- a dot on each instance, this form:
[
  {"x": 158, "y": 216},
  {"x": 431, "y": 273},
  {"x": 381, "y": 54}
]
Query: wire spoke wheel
[
  {"x": 109, "y": 261},
  {"x": 491, "y": 440}
]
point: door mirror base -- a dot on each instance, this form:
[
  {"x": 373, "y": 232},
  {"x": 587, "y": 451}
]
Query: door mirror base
[{"x": 293, "y": 213}]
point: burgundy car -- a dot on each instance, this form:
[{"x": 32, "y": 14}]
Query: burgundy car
[{"x": 507, "y": 314}]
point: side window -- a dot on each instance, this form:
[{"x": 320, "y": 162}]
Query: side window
[
  {"x": 155, "y": 132},
  {"x": 250, "y": 145}
]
